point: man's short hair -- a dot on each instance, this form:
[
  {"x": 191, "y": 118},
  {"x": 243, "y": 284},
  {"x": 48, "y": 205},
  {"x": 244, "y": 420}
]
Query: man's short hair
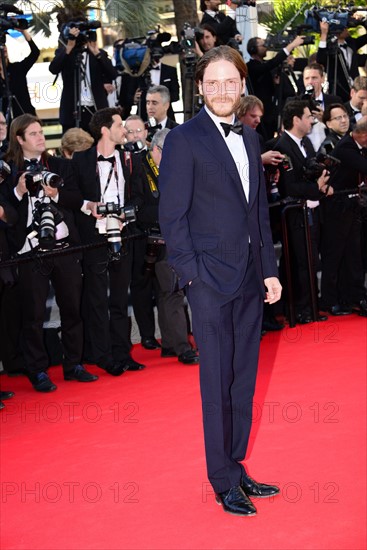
[
  {"x": 327, "y": 113},
  {"x": 248, "y": 103},
  {"x": 159, "y": 138},
  {"x": 75, "y": 140},
  {"x": 360, "y": 83},
  {"x": 218, "y": 54},
  {"x": 252, "y": 45},
  {"x": 209, "y": 28},
  {"x": 163, "y": 91},
  {"x": 361, "y": 126},
  {"x": 292, "y": 109},
  {"x": 134, "y": 117},
  {"x": 314, "y": 67},
  {"x": 101, "y": 118}
]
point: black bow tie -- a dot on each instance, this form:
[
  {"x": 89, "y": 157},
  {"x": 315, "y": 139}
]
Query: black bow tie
[
  {"x": 356, "y": 112},
  {"x": 303, "y": 143},
  {"x": 237, "y": 128},
  {"x": 345, "y": 46},
  {"x": 155, "y": 68},
  {"x": 101, "y": 158}
]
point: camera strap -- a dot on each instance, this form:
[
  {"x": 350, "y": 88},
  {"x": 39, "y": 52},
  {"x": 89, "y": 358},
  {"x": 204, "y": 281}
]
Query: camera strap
[
  {"x": 152, "y": 172},
  {"x": 113, "y": 170}
]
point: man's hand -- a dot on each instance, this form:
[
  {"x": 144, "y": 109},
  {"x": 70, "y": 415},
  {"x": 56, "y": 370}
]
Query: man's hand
[
  {"x": 318, "y": 114},
  {"x": 137, "y": 96},
  {"x": 109, "y": 87},
  {"x": 2, "y": 214},
  {"x": 323, "y": 179},
  {"x": 272, "y": 157},
  {"x": 21, "y": 187},
  {"x": 92, "y": 206},
  {"x": 74, "y": 31},
  {"x": 298, "y": 41},
  {"x": 26, "y": 35},
  {"x": 49, "y": 191},
  {"x": 274, "y": 290}
]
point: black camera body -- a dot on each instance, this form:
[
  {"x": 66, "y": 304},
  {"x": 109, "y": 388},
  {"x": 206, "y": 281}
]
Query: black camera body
[
  {"x": 315, "y": 166},
  {"x": 114, "y": 209},
  {"x": 155, "y": 241},
  {"x": 281, "y": 40},
  {"x": 87, "y": 31},
  {"x": 309, "y": 95},
  {"x": 36, "y": 175},
  {"x": 45, "y": 219},
  {"x": 11, "y": 22}
]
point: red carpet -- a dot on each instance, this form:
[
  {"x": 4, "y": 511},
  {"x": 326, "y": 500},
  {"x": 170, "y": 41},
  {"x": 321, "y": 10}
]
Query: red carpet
[{"x": 119, "y": 464}]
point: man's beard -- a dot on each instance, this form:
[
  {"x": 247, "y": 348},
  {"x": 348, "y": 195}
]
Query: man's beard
[{"x": 230, "y": 109}]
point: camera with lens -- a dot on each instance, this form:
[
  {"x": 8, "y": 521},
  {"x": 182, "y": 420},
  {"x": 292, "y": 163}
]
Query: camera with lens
[
  {"x": 155, "y": 242},
  {"x": 133, "y": 146},
  {"x": 281, "y": 40},
  {"x": 189, "y": 35},
  {"x": 112, "y": 208},
  {"x": 338, "y": 18},
  {"x": 46, "y": 217},
  {"x": 87, "y": 31},
  {"x": 112, "y": 212},
  {"x": 309, "y": 95},
  {"x": 134, "y": 55},
  {"x": 11, "y": 22},
  {"x": 5, "y": 170},
  {"x": 315, "y": 166},
  {"x": 36, "y": 175}
]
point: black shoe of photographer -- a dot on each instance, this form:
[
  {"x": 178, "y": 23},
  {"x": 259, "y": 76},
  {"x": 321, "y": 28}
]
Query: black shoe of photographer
[
  {"x": 189, "y": 357},
  {"x": 150, "y": 343},
  {"x": 236, "y": 502},
  {"x": 260, "y": 490},
  {"x": 6, "y": 395},
  {"x": 116, "y": 369},
  {"x": 361, "y": 308},
  {"x": 80, "y": 374},
  {"x": 133, "y": 365},
  {"x": 41, "y": 382},
  {"x": 339, "y": 310}
]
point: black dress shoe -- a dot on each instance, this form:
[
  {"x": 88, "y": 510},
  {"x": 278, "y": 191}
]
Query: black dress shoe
[
  {"x": 133, "y": 365},
  {"x": 303, "y": 318},
  {"x": 254, "y": 489},
  {"x": 2, "y": 406},
  {"x": 116, "y": 369},
  {"x": 361, "y": 308},
  {"x": 6, "y": 395},
  {"x": 41, "y": 382},
  {"x": 271, "y": 324},
  {"x": 236, "y": 502},
  {"x": 189, "y": 357},
  {"x": 150, "y": 343},
  {"x": 338, "y": 309},
  {"x": 80, "y": 374},
  {"x": 168, "y": 352}
]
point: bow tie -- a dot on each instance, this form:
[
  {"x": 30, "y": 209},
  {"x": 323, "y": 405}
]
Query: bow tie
[
  {"x": 101, "y": 158},
  {"x": 237, "y": 128},
  {"x": 345, "y": 46},
  {"x": 356, "y": 112},
  {"x": 157, "y": 68},
  {"x": 303, "y": 143}
]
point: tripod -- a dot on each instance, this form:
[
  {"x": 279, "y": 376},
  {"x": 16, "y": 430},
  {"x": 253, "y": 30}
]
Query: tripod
[
  {"x": 6, "y": 93},
  {"x": 334, "y": 52},
  {"x": 80, "y": 75}
]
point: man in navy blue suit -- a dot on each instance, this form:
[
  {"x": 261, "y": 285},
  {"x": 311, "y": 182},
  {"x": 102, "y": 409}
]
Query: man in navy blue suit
[{"x": 214, "y": 217}]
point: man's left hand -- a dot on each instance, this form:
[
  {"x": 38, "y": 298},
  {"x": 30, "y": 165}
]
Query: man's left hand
[
  {"x": 93, "y": 47},
  {"x": 274, "y": 290},
  {"x": 51, "y": 192}
]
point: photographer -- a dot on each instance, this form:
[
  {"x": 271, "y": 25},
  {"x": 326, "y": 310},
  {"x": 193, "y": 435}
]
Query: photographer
[
  {"x": 171, "y": 309},
  {"x": 223, "y": 25},
  {"x": 342, "y": 51},
  {"x": 158, "y": 103},
  {"x": 96, "y": 70},
  {"x": 31, "y": 196},
  {"x": 357, "y": 105},
  {"x": 107, "y": 177},
  {"x": 17, "y": 75},
  {"x": 336, "y": 120},
  {"x": 261, "y": 82},
  {"x": 342, "y": 281},
  {"x": 293, "y": 182}
]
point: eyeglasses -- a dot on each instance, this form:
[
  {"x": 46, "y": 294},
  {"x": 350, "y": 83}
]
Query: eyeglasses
[
  {"x": 3, "y": 123},
  {"x": 340, "y": 117},
  {"x": 137, "y": 131}
]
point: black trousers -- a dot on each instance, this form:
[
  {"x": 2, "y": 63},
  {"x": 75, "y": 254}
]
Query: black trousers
[
  {"x": 342, "y": 266},
  {"x": 105, "y": 306},
  {"x": 65, "y": 274},
  {"x": 227, "y": 330},
  {"x": 10, "y": 327}
]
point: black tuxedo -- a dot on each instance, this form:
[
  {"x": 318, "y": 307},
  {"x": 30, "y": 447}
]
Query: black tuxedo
[
  {"x": 17, "y": 73},
  {"x": 293, "y": 183},
  {"x": 64, "y": 272},
  {"x": 130, "y": 84},
  {"x": 327, "y": 59},
  {"x": 351, "y": 113},
  {"x": 342, "y": 269},
  {"x": 261, "y": 84},
  {"x": 105, "y": 317},
  {"x": 101, "y": 72},
  {"x": 225, "y": 28},
  {"x": 208, "y": 225}
]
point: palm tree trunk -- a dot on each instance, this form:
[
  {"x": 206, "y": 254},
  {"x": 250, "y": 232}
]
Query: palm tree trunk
[{"x": 185, "y": 12}]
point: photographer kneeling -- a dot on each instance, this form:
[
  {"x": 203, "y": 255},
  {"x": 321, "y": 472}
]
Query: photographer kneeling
[
  {"x": 171, "y": 310},
  {"x": 42, "y": 189}
]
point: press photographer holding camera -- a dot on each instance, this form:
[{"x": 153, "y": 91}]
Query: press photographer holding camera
[
  {"x": 223, "y": 25},
  {"x": 85, "y": 68},
  {"x": 110, "y": 183},
  {"x": 43, "y": 191},
  {"x": 171, "y": 308},
  {"x": 17, "y": 81}
]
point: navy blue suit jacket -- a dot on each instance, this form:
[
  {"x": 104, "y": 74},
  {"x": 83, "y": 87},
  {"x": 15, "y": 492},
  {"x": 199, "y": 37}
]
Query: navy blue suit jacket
[{"x": 204, "y": 214}]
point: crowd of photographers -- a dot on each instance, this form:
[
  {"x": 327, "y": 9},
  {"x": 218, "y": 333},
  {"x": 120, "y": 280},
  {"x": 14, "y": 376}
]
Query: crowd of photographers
[{"x": 87, "y": 223}]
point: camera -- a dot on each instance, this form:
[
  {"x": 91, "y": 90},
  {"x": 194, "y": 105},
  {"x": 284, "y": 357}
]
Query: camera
[
  {"x": 87, "y": 31},
  {"x": 45, "y": 219},
  {"x": 112, "y": 208},
  {"x": 36, "y": 176},
  {"x": 112, "y": 212},
  {"x": 315, "y": 166},
  {"x": 155, "y": 242},
  {"x": 338, "y": 18},
  {"x": 189, "y": 36},
  {"x": 134, "y": 146},
  {"x": 281, "y": 40},
  {"x": 8, "y": 22},
  {"x": 5, "y": 170},
  {"x": 134, "y": 55},
  {"x": 309, "y": 95}
]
